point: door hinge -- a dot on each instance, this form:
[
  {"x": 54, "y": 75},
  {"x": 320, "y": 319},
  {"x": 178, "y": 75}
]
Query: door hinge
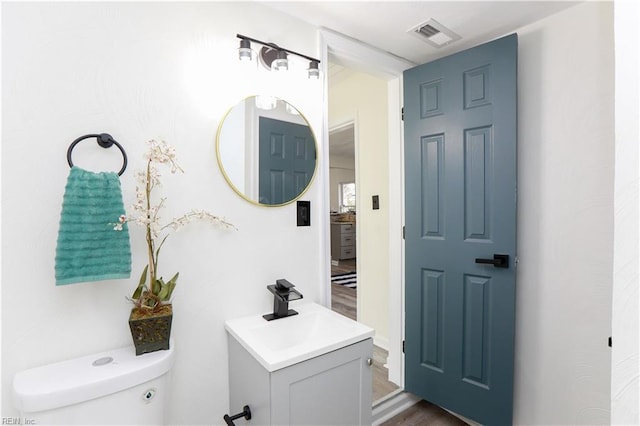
[
  {"x": 610, "y": 342},
  {"x": 402, "y": 113},
  {"x": 403, "y": 346},
  {"x": 403, "y": 233}
]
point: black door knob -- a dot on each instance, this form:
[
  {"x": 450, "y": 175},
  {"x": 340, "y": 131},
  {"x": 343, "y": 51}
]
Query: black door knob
[{"x": 499, "y": 261}]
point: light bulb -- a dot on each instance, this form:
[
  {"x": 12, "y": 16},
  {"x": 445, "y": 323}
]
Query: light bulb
[
  {"x": 314, "y": 72},
  {"x": 244, "y": 51},
  {"x": 281, "y": 63}
]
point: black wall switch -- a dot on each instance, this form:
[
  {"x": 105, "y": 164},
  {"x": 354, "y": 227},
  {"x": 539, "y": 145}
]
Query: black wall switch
[
  {"x": 304, "y": 213},
  {"x": 376, "y": 202}
]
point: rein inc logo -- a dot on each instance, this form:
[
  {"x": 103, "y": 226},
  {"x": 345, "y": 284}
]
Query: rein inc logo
[{"x": 17, "y": 421}]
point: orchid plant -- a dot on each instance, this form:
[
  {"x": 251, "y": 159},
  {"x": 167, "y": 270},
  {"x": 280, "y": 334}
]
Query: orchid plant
[{"x": 153, "y": 291}]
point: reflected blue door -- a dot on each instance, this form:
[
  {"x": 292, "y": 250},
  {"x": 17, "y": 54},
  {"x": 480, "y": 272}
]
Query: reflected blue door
[{"x": 287, "y": 160}]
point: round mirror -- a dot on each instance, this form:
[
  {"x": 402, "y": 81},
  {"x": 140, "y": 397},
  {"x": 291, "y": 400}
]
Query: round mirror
[{"x": 266, "y": 151}]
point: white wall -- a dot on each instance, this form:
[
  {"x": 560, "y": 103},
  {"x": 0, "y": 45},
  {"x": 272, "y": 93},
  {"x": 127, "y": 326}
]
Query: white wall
[
  {"x": 565, "y": 217},
  {"x": 625, "y": 374},
  {"x": 138, "y": 71},
  {"x": 363, "y": 98}
]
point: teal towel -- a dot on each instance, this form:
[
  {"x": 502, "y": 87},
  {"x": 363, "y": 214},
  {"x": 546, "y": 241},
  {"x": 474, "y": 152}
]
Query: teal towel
[{"x": 89, "y": 249}]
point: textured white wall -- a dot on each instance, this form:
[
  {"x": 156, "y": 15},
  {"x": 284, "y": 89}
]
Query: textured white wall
[
  {"x": 363, "y": 98},
  {"x": 625, "y": 363},
  {"x": 138, "y": 71},
  {"x": 565, "y": 217}
]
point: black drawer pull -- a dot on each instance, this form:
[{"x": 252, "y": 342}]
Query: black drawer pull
[{"x": 246, "y": 413}]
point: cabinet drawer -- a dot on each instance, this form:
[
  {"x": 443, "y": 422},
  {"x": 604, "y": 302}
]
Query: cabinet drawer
[
  {"x": 346, "y": 227},
  {"x": 347, "y": 240},
  {"x": 347, "y": 252}
]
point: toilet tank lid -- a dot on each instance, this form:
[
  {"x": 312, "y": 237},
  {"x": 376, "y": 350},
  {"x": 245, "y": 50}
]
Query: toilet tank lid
[{"x": 92, "y": 376}]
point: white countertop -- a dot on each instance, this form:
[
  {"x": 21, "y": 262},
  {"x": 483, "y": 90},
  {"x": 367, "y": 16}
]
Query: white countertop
[{"x": 280, "y": 343}]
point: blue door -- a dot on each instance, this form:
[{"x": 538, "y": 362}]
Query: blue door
[
  {"x": 287, "y": 160},
  {"x": 460, "y": 239}
]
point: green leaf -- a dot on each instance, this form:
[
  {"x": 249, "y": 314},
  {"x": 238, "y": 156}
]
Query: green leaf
[
  {"x": 172, "y": 285},
  {"x": 160, "y": 283},
  {"x": 167, "y": 288},
  {"x": 162, "y": 294},
  {"x": 158, "y": 251},
  {"x": 141, "y": 285},
  {"x": 143, "y": 277}
]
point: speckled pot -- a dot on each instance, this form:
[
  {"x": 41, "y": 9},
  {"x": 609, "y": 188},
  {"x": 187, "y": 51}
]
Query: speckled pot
[{"x": 150, "y": 332}]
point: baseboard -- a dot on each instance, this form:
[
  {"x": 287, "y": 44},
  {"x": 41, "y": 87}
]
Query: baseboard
[
  {"x": 391, "y": 406},
  {"x": 381, "y": 342}
]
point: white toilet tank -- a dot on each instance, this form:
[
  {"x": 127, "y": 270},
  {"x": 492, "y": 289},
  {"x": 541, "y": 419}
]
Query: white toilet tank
[{"x": 111, "y": 388}]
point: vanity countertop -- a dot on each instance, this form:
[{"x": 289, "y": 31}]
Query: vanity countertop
[{"x": 316, "y": 330}]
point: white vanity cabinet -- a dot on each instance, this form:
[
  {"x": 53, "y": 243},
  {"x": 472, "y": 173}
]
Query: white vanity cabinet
[{"x": 333, "y": 388}]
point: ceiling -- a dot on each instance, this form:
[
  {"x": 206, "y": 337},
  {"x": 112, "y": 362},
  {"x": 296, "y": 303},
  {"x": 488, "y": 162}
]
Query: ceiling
[
  {"x": 386, "y": 25},
  {"x": 342, "y": 143}
]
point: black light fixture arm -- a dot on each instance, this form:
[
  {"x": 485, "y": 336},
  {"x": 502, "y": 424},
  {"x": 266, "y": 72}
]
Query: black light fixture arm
[{"x": 275, "y": 46}]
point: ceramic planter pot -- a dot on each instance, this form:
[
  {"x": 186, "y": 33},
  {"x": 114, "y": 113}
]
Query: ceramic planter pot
[{"x": 151, "y": 332}]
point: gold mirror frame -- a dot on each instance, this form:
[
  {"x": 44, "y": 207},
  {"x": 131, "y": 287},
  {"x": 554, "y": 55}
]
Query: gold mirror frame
[{"x": 241, "y": 122}]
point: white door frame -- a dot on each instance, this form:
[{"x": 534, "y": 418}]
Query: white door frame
[{"x": 390, "y": 68}]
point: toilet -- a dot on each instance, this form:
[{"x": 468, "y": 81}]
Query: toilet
[{"x": 113, "y": 387}]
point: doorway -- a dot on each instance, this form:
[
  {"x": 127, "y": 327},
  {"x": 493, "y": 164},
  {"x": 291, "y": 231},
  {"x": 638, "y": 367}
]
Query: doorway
[
  {"x": 354, "y": 55},
  {"x": 359, "y": 207},
  {"x": 343, "y": 208}
]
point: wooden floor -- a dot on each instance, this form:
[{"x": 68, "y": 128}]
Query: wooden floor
[
  {"x": 343, "y": 301},
  {"x": 423, "y": 414}
]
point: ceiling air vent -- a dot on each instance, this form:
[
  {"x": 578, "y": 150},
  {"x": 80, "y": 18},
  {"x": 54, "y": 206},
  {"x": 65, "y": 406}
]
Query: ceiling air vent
[{"x": 434, "y": 33}]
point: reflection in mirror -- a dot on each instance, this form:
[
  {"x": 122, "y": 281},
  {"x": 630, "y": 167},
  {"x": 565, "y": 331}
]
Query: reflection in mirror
[{"x": 266, "y": 151}]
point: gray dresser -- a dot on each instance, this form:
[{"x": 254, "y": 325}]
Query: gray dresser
[{"x": 343, "y": 240}]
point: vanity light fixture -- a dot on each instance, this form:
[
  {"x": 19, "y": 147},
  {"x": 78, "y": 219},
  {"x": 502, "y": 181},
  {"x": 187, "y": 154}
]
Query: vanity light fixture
[
  {"x": 274, "y": 57},
  {"x": 281, "y": 62},
  {"x": 313, "y": 70},
  {"x": 245, "y": 53}
]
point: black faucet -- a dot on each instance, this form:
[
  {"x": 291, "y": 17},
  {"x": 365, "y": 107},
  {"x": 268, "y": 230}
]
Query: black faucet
[{"x": 283, "y": 293}]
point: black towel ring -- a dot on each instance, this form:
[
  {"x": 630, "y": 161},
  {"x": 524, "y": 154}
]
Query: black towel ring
[{"x": 104, "y": 140}]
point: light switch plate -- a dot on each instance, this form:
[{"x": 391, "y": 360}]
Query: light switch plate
[{"x": 303, "y": 213}]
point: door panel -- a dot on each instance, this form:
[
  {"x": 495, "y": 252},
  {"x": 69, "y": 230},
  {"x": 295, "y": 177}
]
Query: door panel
[
  {"x": 287, "y": 160},
  {"x": 477, "y": 194},
  {"x": 460, "y": 183},
  {"x": 432, "y": 188}
]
